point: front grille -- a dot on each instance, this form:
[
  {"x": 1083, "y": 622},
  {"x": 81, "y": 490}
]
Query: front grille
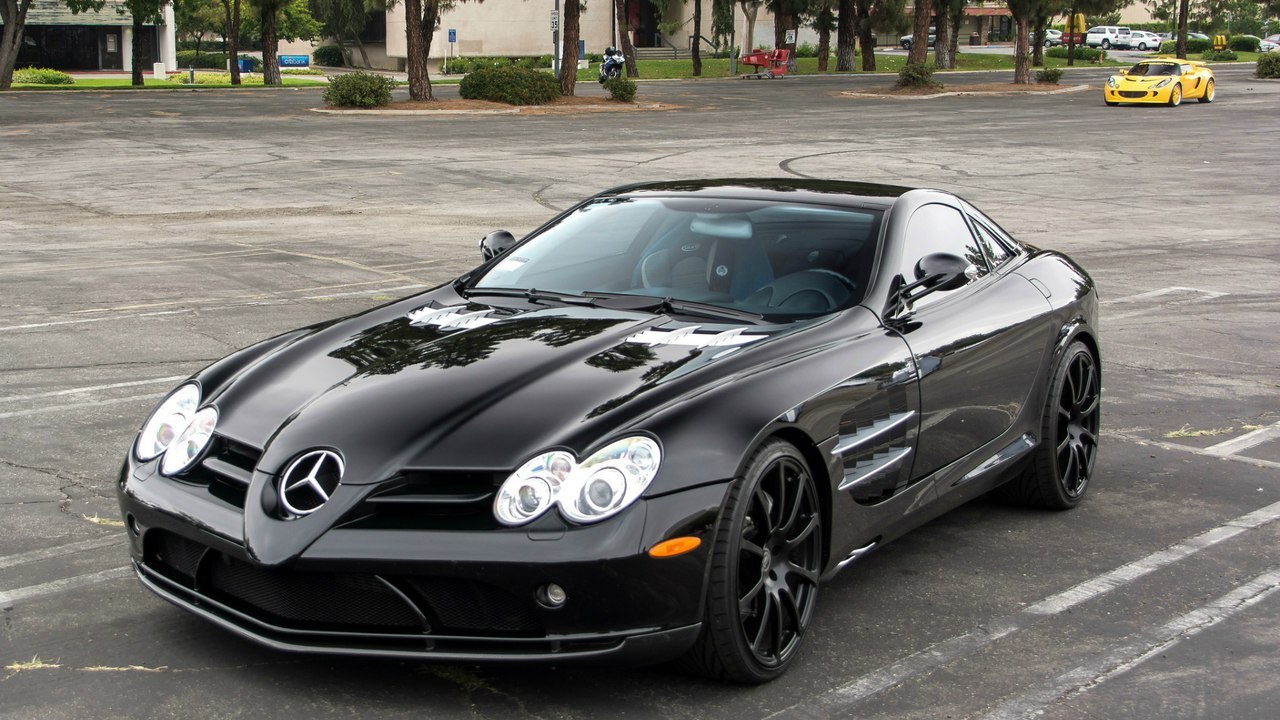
[
  {"x": 430, "y": 500},
  {"x": 329, "y": 600},
  {"x": 1133, "y": 94},
  {"x": 362, "y": 602},
  {"x": 473, "y": 607}
]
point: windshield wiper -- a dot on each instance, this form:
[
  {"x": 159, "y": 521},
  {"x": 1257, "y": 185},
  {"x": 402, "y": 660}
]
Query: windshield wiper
[
  {"x": 628, "y": 301},
  {"x": 533, "y": 295}
]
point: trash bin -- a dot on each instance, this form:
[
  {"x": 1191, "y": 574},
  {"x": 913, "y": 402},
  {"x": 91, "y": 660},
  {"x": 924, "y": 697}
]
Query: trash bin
[
  {"x": 246, "y": 65},
  {"x": 975, "y": 39}
]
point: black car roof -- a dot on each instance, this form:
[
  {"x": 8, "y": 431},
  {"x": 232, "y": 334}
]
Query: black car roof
[{"x": 828, "y": 192}]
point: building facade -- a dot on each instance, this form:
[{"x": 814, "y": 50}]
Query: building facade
[{"x": 57, "y": 38}]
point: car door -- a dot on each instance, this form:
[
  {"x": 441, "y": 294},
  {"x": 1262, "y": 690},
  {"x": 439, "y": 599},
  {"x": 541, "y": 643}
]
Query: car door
[
  {"x": 978, "y": 348},
  {"x": 1193, "y": 80}
]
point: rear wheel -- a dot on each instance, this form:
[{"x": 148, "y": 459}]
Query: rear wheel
[
  {"x": 1106, "y": 44},
  {"x": 764, "y": 571},
  {"x": 1207, "y": 97},
  {"x": 906, "y": 45},
  {"x": 1175, "y": 95},
  {"x": 1062, "y": 464}
]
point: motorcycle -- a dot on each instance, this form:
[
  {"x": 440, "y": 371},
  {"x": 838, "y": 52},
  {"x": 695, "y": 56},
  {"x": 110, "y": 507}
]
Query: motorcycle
[{"x": 611, "y": 64}]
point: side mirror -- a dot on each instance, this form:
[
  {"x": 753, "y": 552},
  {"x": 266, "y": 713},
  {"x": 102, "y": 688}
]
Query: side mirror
[
  {"x": 942, "y": 271},
  {"x": 496, "y": 243}
]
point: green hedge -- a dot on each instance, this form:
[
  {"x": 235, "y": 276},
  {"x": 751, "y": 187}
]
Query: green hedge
[
  {"x": 41, "y": 76},
  {"x": 329, "y": 56},
  {"x": 211, "y": 61},
  {"x": 511, "y": 85},
  {"x": 1194, "y": 45},
  {"x": 917, "y": 75},
  {"x": 359, "y": 89},
  {"x": 467, "y": 65},
  {"x": 1220, "y": 56},
  {"x": 621, "y": 89},
  {"x": 1268, "y": 66},
  {"x": 1049, "y": 75},
  {"x": 1241, "y": 43},
  {"x": 1082, "y": 53}
]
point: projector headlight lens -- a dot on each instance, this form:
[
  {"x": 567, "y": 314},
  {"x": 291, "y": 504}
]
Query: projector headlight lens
[
  {"x": 167, "y": 422},
  {"x": 604, "y": 484}
]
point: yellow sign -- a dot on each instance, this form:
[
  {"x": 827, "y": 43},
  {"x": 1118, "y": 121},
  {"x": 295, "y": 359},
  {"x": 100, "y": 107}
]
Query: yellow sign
[
  {"x": 1219, "y": 42},
  {"x": 1077, "y": 24}
]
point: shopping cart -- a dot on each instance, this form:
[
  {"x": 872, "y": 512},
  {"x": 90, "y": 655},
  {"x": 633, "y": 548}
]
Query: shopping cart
[{"x": 767, "y": 63}]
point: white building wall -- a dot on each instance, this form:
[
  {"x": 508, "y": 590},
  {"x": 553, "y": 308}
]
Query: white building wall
[{"x": 508, "y": 28}]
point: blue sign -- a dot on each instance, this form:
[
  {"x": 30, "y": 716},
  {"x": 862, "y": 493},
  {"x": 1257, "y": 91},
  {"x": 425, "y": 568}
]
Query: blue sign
[
  {"x": 294, "y": 61},
  {"x": 453, "y": 35}
]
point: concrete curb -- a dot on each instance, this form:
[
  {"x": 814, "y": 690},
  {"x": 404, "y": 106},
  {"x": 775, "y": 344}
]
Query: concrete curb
[
  {"x": 961, "y": 93},
  {"x": 513, "y": 111}
]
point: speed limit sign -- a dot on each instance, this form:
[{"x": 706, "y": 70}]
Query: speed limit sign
[{"x": 555, "y": 20}]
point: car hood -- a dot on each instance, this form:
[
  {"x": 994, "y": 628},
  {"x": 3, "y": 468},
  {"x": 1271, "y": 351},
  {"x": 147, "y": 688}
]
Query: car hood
[
  {"x": 1143, "y": 82},
  {"x": 468, "y": 386}
]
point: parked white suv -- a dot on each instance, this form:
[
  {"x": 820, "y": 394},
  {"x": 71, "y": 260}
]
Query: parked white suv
[{"x": 1105, "y": 36}]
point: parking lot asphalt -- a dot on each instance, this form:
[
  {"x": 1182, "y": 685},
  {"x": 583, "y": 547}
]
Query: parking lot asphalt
[{"x": 144, "y": 235}]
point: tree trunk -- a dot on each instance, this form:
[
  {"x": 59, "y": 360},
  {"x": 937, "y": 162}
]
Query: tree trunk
[
  {"x": 15, "y": 23},
  {"x": 954, "y": 47},
  {"x": 416, "y": 62},
  {"x": 624, "y": 37},
  {"x": 781, "y": 24},
  {"x": 824, "y": 48},
  {"x": 697, "y": 38},
  {"x": 364, "y": 54},
  {"x": 920, "y": 34},
  {"x": 569, "y": 54},
  {"x": 749, "y": 42},
  {"x": 231, "y": 9},
  {"x": 1183, "y": 11},
  {"x": 137, "y": 52},
  {"x": 942, "y": 47},
  {"x": 844, "y": 36},
  {"x": 866, "y": 38},
  {"x": 1071, "y": 37},
  {"x": 1021, "y": 68},
  {"x": 270, "y": 47},
  {"x": 1037, "y": 44}
]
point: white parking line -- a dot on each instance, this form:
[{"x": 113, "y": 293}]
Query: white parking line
[
  {"x": 75, "y": 406},
  {"x": 9, "y": 597},
  {"x": 1153, "y": 294},
  {"x": 93, "y": 388},
  {"x": 1230, "y": 447},
  {"x": 1145, "y": 646},
  {"x": 58, "y": 551},
  {"x": 841, "y": 700}
]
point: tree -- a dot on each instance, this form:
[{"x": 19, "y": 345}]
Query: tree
[
  {"x": 196, "y": 19},
  {"x": 697, "y": 38},
  {"x": 920, "y": 34},
  {"x": 823, "y": 21},
  {"x": 624, "y": 37},
  {"x": 1021, "y": 11},
  {"x": 346, "y": 19},
  {"x": 1180, "y": 49},
  {"x": 231, "y": 36},
  {"x": 1044, "y": 11},
  {"x": 14, "y": 15},
  {"x": 281, "y": 20},
  {"x": 845, "y": 24},
  {"x": 948, "y": 11},
  {"x": 872, "y": 14},
  {"x": 786, "y": 16},
  {"x": 750, "y": 8},
  {"x": 570, "y": 26}
]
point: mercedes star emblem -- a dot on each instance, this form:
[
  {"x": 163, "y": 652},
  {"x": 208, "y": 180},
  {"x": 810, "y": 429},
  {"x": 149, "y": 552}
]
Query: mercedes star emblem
[{"x": 309, "y": 481}]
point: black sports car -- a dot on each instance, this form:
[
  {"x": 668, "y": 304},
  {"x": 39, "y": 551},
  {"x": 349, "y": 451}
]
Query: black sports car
[{"x": 647, "y": 430}]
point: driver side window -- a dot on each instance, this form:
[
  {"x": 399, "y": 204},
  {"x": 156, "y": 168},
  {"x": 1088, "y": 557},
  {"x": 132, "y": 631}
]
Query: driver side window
[{"x": 938, "y": 228}]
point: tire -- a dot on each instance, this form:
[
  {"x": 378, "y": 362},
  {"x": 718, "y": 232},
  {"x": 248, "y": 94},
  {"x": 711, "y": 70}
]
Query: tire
[
  {"x": 1142, "y": 46},
  {"x": 906, "y": 45},
  {"x": 1106, "y": 44},
  {"x": 1062, "y": 464},
  {"x": 1207, "y": 97},
  {"x": 764, "y": 571},
  {"x": 1175, "y": 95}
]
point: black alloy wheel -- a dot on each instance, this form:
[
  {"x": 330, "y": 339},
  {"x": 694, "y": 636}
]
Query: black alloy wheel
[
  {"x": 765, "y": 567},
  {"x": 1062, "y": 464}
]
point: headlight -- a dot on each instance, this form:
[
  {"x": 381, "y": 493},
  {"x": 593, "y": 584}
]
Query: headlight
[
  {"x": 1163, "y": 82},
  {"x": 601, "y": 486},
  {"x": 1112, "y": 83},
  {"x": 167, "y": 422},
  {"x": 191, "y": 443}
]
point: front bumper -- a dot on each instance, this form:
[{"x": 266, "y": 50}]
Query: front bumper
[
  {"x": 406, "y": 589},
  {"x": 1124, "y": 94}
]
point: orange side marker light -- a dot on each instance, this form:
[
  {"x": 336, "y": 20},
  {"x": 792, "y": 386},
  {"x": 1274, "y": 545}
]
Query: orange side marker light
[{"x": 674, "y": 547}]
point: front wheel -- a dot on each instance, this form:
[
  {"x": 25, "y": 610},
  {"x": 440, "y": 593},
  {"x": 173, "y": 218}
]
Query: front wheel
[
  {"x": 765, "y": 566},
  {"x": 906, "y": 45},
  {"x": 1207, "y": 97},
  {"x": 1106, "y": 44},
  {"x": 1062, "y": 464},
  {"x": 1142, "y": 46},
  {"x": 1175, "y": 95}
]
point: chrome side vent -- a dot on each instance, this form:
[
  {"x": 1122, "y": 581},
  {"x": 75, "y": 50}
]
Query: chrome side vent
[
  {"x": 690, "y": 337},
  {"x": 866, "y": 436},
  {"x": 454, "y": 317},
  {"x": 867, "y": 472}
]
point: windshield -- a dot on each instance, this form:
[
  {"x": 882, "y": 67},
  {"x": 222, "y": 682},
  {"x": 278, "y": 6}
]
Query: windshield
[
  {"x": 761, "y": 257},
  {"x": 1154, "y": 69}
]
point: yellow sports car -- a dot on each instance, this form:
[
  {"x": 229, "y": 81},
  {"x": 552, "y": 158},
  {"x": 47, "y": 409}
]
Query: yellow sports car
[{"x": 1166, "y": 81}]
